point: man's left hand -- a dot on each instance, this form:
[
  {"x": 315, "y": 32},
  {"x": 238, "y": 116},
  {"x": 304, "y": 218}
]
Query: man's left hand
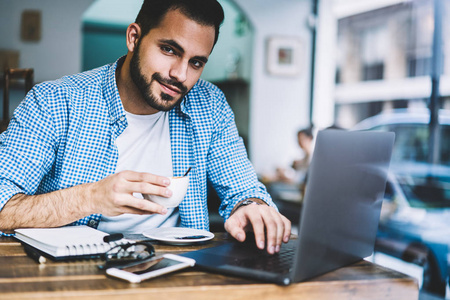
[{"x": 269, "y": 226}]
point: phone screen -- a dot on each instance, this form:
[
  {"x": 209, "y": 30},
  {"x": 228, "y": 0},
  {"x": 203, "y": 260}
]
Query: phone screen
[{"x": 152, "y": 265}]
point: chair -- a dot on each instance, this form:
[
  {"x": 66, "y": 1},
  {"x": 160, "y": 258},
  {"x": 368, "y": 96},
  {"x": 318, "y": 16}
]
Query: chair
[{"x": 9, "y": 77}]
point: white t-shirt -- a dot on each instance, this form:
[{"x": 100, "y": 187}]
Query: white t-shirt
[{"x": 144, "y": 146}]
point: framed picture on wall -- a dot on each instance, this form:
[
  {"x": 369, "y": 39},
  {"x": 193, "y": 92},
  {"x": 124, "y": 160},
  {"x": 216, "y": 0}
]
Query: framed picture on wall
[
  {"x": 284, "y": 56},
  {"x": 30, "y": 27}
]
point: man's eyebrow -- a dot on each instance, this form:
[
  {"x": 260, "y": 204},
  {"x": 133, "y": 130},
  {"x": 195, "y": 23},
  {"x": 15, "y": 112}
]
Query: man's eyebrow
[
  {"x": 173, "y": 44},
  {"x": 177, "y": 46},
  {"x": 201, "y": 58}
]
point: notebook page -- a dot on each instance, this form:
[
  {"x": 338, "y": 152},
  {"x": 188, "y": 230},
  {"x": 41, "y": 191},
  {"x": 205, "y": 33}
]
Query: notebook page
[{"x": 65, "y": 241}]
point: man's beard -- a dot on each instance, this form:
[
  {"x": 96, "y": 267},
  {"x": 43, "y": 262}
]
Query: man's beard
[{"x": 163, "y": 102}]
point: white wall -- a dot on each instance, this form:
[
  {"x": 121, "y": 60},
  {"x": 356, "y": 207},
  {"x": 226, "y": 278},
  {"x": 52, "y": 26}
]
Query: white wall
[
  {"x": 325, "y": 70},
  {"x": 279, "y": 105},
  {"x": 118, "y": 12},
  {"x": 58, "y": 53}
]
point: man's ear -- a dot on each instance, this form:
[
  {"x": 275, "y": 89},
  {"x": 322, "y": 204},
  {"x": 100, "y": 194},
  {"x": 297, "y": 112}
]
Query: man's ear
[{"x": 133, "y": 36}]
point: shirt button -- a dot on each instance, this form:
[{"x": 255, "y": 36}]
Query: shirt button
[
  {"x": 122, "y": 118},
  {"x": 92, "y": 223}
]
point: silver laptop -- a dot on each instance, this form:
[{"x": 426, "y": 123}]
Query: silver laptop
[{"x": 339, "y": 217}]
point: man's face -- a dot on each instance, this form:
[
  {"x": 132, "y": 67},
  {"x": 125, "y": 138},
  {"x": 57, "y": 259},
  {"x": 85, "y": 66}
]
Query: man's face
[
  {"x": 304, "y": 140},
  {"x": 168, "y": 61}
]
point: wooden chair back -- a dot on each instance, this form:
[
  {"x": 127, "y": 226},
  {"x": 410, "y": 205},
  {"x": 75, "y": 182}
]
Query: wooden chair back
[{"x": 10, "y": 76}]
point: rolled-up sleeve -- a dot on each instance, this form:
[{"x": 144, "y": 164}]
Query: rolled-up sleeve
[{"x": 26, "y": 147}]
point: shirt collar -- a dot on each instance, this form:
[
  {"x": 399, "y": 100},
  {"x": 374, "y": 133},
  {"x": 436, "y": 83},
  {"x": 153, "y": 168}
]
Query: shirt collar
[
  {"x": 111, "y": 93},
  {"x": 185, "y": 106}
]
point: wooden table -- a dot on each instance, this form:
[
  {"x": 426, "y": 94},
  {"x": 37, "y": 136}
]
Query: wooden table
[{"x": 22, "y": 278}]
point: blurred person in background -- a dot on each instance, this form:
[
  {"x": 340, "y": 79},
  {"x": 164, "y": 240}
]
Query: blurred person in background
[{"x": 293, "y": 178}]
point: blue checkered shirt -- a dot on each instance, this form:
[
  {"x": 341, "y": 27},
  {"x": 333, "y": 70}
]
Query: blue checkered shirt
[{"x": 63, "y": 134}]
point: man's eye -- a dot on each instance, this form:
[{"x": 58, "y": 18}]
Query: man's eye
[
  {"x": 167, "y": 49},
  {"x": 197, "y": 64}
]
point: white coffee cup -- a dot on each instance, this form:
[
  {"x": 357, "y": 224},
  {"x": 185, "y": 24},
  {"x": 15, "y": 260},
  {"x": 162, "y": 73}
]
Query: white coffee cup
[{"x": 178, "y": 186}]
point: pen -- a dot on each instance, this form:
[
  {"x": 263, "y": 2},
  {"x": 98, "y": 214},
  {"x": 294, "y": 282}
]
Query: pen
[
  {"x": 35, "y": 255},
  {"x": 112, "y": 237},
  {"x": 190, "y": 237}
]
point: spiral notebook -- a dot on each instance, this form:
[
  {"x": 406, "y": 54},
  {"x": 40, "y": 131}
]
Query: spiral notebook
[{"x": 70, "y": 242}]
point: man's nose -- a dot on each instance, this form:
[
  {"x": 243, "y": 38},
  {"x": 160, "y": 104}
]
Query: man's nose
[{"x": 179, "y": 70}]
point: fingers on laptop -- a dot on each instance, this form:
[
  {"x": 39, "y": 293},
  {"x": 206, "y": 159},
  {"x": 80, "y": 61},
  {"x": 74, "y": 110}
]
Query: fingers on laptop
[
  {"x": 271, "y": 229},
  {"x": 269, "y": 226}
]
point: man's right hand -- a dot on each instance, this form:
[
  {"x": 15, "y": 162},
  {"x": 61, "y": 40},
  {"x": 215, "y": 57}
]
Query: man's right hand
[
  {"x": 110, "y": 196},
  {"x": 113, "y": 195}
]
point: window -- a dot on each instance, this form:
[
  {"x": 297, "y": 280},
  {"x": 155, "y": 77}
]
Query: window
[
  {"x": 420, "y": 41},
  {"x": 373, "y": 49}
]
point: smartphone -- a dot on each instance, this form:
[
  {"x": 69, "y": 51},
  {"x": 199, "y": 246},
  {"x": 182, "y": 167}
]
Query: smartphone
[{"x": 154, "y": 267}]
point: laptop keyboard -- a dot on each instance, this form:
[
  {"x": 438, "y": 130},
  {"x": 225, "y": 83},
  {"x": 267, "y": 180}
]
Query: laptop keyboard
[{"x": 281, "y": 262}]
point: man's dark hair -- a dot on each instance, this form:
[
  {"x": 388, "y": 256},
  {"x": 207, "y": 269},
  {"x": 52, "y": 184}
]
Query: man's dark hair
[{"x": 204, "y": 12}]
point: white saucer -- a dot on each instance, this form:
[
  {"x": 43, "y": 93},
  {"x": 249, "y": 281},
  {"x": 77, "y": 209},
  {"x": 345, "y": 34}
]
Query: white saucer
[{"x": 169, "y": 235}]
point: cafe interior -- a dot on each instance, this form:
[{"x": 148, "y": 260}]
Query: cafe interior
[{"x": 283, "y": 66}]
